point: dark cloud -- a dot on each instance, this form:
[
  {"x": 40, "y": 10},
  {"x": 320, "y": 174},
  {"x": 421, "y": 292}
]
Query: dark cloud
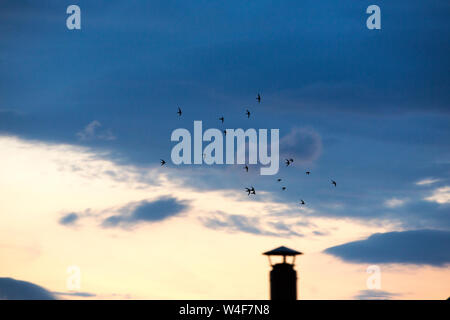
[
  {"x": 422, "y": 247},
  {"x": 375, "y": 295},
  {"x": 11, "y": 289},
  {"x": 302, "y": 144},
  {"x": 69, "y": 219},
  {"x": 146, "y": 211},
  {"x": 383, "y": 120}
]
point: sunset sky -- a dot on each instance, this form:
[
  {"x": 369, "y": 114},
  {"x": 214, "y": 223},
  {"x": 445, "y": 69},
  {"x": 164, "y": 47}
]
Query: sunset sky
[{"x": 86, "y": 115}]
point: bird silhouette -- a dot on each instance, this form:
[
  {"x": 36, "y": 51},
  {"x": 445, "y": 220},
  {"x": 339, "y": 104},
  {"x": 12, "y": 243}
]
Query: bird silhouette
[
  {"x": 248, "y": 191},
  {"x": 162, "y": 162},
  {"x": 225, "y": 132},
  {"x": 334, "y": 183},
  {"x": 179, "y": 112},
  {"x": 279, "y": 179},
  {"x": 307, "y": 172},
  {"x": 222, "y": 119},
  {"x": 247, "y": 113},
  {"x": 302, "y": 202},
  {"x": 246, "y": 168},
  {"x": 258, "y": 98},
  {"x": 283, "y": 188},
  {"x": 252, "y": 190},
  {"x": 288, "y": 161}
]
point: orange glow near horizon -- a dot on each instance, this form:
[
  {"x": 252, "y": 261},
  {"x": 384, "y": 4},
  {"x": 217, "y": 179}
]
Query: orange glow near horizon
[{"x": 177, "y": 258}]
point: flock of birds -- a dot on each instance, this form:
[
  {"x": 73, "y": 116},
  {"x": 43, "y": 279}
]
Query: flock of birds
[{"x": 288, "y": 162}]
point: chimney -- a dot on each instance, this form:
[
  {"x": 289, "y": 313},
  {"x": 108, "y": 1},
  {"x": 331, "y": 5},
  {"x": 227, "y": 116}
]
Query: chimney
[{"x": 283, "y": 277}]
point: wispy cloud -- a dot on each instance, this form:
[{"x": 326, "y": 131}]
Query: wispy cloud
[
  {"x": 394, "y": 202},
  {"x": 252, "y": 225},
  {"x": 427, "y": 181},
  {"x": 75, "y": 294},
  {"x": 91, "y": 132},
  {"x": 375, "y": 295},
  {"x": 440, "y": 195}
]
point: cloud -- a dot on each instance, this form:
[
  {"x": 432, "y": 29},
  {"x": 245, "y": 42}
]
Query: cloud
[
  {"x": 11, "y": 289},
  {"x": 253, "y": 225},
  {"x": 69, "y": 219},
  {"x": 422, "y": 215},
  {"x": 414, "y": 213},
  {"x": 75, "y": 294},
  {"x": 421, "y": 247},
  {"x": 375, "y": 295},
  {"x": 394, "y": 202},
  {"x": 146, "y": 211},
  {"x": 440, "y": 195},
  {"x": 427, "y": 181},
  {"x": 303, "y": 144},
  {"x": 91, "y": 132},
  {"x": 284, "y": 230}
]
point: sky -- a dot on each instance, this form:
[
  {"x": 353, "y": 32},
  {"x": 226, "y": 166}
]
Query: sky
[{"x": 86, "y": 115}]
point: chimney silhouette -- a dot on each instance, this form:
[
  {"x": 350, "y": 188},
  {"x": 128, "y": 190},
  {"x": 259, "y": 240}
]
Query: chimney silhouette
[{"x": 283, "y": 277}]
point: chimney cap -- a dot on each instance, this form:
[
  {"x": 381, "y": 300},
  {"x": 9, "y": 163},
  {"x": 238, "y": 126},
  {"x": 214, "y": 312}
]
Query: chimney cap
[{"x": 282, "y": 251}]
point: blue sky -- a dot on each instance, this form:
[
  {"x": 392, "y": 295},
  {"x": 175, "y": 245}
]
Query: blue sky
[
  {"x": 369, "y": 109},
  {"x": 377, "y": 99}
]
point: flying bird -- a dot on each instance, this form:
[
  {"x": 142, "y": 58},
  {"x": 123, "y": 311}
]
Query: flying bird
[
  {"x": 179, "y": 112},
  {"x": 162, "y": 162},
  {"x": 302, "y": 202},
  {"x": 279, "y": 179},
  {"x": 333, "y": 182},
  {"x": 283, "y": 188},
  {"x": 247, "y": 113},
  {"x": 250, "y": 191},
  {"x": 307, "y": 173},
  {"x": 246, "y": 168},
  {"x": 288, "y": 161},
  {"x": 225, "y": 132},
  {"x": 222, "y": 119},
  {"x": 258, "y": 98}
]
